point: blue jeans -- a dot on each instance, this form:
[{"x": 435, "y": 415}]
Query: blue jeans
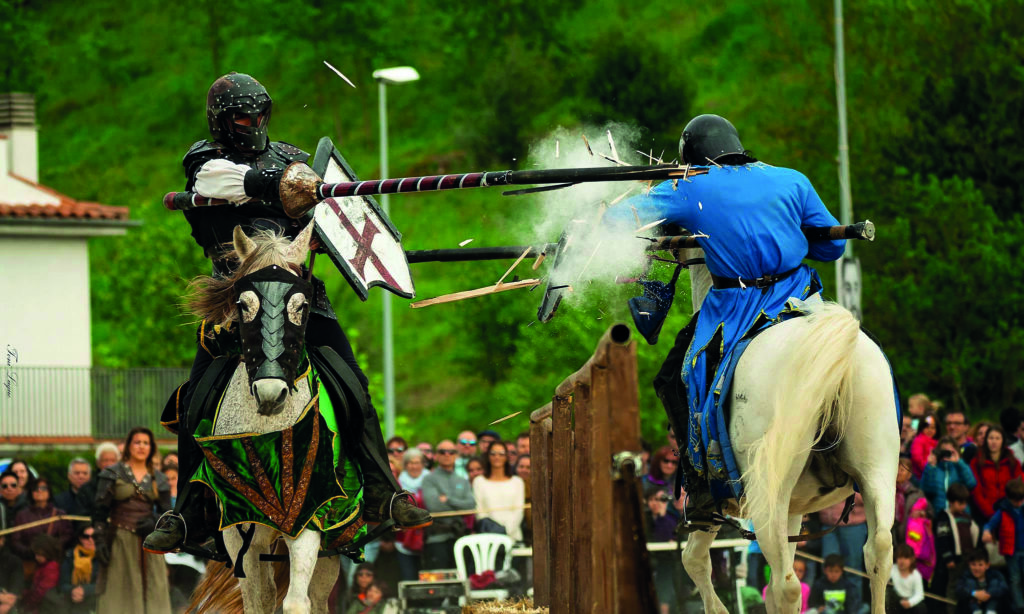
[
  {"x": 1015, "y": 565},
  {"x": 847, "y": 541}
]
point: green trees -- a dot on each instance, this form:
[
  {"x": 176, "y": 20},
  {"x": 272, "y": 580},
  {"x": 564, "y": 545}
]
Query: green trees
[{"x": 935, "y": 120}]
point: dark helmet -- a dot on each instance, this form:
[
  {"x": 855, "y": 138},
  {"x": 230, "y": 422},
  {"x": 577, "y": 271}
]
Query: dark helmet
[
  {"x": 238, "y": 111},
  {"x": 709, "y": 137}
]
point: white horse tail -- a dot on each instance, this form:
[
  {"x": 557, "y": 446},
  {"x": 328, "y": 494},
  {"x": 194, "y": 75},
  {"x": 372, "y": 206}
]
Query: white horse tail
[{"x": 812, "y": 392}]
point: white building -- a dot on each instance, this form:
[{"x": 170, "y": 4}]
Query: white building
[{"x": 44, "y": 288}]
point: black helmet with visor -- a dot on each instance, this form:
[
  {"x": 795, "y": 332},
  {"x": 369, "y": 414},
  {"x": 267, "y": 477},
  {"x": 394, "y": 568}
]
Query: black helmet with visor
[{"x": 238, "y": 111}]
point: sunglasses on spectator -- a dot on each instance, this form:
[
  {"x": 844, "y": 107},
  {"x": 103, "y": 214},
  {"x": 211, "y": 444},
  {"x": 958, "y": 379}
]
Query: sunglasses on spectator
[
  {"x": 9, "y": 485},
  {"x": 365, "y": 573},
  {"x": 669, "y": 461},
  {"x": 42, "y": 488},
  {"x": 88, "y": 535},
  {"x": 441, "y": 451},
  {"x": 497, "y": 453},
  {"x": 396, "y": 450},
  {"x": 663, "y": 498},
  {"x": 468, "y": 442}
]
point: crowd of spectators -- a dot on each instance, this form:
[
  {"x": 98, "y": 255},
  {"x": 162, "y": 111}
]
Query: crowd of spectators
[
  {"x": 959, "y": 498},
  {"x": 91, "y": 565},
  {"x": 958, "y": 533},
  {"x": 959, "y": 527},
  {"x": 94, "y": 561}
]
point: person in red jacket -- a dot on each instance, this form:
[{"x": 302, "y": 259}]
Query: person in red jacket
[
  {"x": 924, "y": 442},
  {"x": 993, "y": 466},
  {"x": 47, "y": 550}
]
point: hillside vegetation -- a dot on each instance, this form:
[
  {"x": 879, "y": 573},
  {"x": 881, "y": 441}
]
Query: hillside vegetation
[{"x": 935, "y": 115}]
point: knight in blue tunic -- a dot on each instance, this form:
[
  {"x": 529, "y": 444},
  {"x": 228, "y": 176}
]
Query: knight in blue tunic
[{"x": 751, "y": 214}]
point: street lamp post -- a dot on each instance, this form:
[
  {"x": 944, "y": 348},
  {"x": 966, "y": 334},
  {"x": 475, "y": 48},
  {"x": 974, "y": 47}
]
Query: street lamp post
[{"x": 384, "y": 78}]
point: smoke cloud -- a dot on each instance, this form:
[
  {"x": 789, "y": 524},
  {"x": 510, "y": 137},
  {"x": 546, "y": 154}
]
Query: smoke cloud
[{"x": 596, "y": 253}]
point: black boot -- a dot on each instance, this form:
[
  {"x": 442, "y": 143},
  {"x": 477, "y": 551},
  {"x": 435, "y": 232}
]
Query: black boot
[
  {"x": 699, "y": 514},
  {"x": 379, "y": 506},
  {"x": 169, "y": 535},
  {"x": 181, "y": 527}
]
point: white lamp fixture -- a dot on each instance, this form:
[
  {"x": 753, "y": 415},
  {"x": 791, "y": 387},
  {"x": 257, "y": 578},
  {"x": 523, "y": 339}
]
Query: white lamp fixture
[{"x": 396, "y": 75}]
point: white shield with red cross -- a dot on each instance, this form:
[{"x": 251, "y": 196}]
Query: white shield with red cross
[{"x": 360, "y": 239}]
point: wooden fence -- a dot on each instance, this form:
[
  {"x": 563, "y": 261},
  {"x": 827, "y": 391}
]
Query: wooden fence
[{"x": 589, "y": 549}]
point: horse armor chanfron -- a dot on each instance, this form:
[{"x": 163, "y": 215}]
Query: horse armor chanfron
[{"x": 273, "y": 454}]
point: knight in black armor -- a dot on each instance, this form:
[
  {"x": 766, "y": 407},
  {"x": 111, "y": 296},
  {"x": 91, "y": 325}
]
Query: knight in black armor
[{"x": 241, "y": 164}]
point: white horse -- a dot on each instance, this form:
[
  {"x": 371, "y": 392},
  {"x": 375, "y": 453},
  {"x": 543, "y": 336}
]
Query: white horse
[
  {"x": 798, "y": 379},
  {"x": 266, "y": 406}
]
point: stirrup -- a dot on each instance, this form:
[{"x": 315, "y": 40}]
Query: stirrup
[
  {"x": 405, "y": 494},
  {"x": 685, "y": 526},
  {"x": 173, "y": 514},
  {"x": 184, "y": 525}
]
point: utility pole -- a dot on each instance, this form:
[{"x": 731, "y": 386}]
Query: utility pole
[
  {"x": 384, "y": 78},
  {"x": 848, "y": 279}
]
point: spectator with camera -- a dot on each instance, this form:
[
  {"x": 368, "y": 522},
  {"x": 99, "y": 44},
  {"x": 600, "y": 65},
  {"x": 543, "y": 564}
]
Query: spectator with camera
[{"x": 944, "y": 468}]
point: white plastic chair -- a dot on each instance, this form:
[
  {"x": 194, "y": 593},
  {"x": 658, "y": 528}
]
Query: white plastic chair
[{"x": 484, "y": 548}]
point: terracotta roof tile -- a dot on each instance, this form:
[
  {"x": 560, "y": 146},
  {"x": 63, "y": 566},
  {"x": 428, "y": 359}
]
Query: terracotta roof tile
[{"x": 68, "y": 208}]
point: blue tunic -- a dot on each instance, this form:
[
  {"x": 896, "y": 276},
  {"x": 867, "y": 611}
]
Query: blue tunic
[{"x": 753, "y": 216}]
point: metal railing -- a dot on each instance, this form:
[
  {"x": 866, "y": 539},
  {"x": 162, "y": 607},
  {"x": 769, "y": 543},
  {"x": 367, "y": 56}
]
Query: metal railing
[{"x": 101, "y": 403}]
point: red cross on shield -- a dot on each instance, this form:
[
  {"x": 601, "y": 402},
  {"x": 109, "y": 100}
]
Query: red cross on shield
[{"x": 357, "y": 235}]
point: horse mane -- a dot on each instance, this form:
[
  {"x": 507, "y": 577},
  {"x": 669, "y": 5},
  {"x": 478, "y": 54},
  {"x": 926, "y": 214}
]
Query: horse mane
[
  {"x": 219, "y": 591},
  {"x": 213, "y": 299}
]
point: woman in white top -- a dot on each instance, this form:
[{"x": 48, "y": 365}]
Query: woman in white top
[
  {"x": 496, "y": 491},
  {"x": 411, "y": 479}
]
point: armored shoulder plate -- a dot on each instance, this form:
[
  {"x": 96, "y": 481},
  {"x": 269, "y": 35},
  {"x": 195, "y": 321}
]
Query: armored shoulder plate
[
  {"x": 200, "y": 153},
  {"x": 289, "y": 151},
  {"x": 202, "y": 148}
]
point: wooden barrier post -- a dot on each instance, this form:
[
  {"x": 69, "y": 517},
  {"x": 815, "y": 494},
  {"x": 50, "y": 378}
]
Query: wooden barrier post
[{"x": 589, "y": 549}]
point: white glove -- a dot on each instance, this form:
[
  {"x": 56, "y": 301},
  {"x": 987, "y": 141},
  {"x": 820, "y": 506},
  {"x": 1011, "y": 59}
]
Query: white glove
[{"x": 223, "y": 179}]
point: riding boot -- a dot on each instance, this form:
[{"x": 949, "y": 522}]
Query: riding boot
[
  {"x": 383, "y": 497},
  {"x": 698, "y": 515},
  {"x": 184, "y": 525}
]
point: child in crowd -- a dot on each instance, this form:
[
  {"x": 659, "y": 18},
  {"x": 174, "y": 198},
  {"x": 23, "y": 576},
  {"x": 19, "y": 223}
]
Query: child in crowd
[
  {"x": 907, "y": 593},
  {"x": 47, "y": 550},
  {"x": 371, "y": 603},
  {"x": 800, "y": 569},
  {"x": 956, "y": 533},
  {"x": 363, "y": 577},
  {"x": 1007, "y": 524},
  {"x": 920, "y": 537},
  {"x": 980, "y": 589},
  {"x": 835, "y": 593}
]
